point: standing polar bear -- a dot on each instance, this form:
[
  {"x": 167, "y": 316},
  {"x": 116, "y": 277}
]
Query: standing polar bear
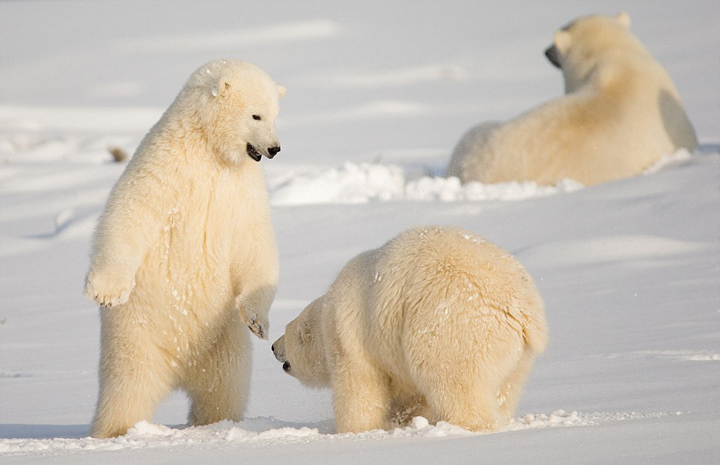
[
  {"x": 184, "y": 254},
  {"x": 437, "y": 322},
  {"x": 621, "y": 113}
]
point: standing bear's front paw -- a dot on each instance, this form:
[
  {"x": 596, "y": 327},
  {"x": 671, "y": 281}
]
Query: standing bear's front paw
[
  {"x": 109, "y": 289},
  {"x": 258, "y": 325}
]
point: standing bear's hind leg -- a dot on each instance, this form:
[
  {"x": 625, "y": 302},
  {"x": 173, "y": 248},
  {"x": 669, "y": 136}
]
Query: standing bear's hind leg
[
  {"x": 218, "y": 384},
  {"x": 134, "y": 379}
]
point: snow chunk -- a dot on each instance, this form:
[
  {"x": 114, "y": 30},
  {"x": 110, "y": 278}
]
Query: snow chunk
[{"x": 145, "y": 428}]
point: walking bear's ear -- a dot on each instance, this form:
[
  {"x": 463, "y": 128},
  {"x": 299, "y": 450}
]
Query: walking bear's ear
[{"x": 306, "y": 334}]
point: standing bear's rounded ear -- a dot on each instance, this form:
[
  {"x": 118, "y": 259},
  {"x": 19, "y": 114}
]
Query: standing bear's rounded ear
[
  {"x": 219, "y": 88},
  {"x": 281, "y": 91},
  {"x": 624, "y": 19}
]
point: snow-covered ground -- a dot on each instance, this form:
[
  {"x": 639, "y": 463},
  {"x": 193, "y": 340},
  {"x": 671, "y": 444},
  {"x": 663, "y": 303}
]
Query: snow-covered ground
[{"x": 378, "y": 94}]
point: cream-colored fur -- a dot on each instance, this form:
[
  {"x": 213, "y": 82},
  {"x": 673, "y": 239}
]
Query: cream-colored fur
[
  {"x": 437, "y": 322},
  {"x": 184, "y": 256},
  {"x": 621, "y": 113}
]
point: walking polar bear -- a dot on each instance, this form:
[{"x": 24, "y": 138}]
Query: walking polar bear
[
  {"x": 437, "y": 322},
  {"x": 620, "y": 114},
  {"x": 184, "y": 254}
]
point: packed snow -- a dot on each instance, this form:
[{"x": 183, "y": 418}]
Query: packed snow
[
  {"x": 265, "y": 432},
  {"x": 378, "y": 94},
  {"x": 352, "y": 183}
]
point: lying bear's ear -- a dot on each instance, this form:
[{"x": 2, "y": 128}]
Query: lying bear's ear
[
  {"x": 624, "y": 19},
  {"x": 562, "y": 40},
  {"x": 281, "y": 91}
]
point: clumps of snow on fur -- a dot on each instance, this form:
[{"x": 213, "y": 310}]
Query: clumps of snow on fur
[{"x": 362, "y": 183}]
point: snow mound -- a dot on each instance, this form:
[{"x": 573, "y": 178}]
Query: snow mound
[
  {"x": 264, "y": 431},
  {"x": 350, "y": 183},
  {"x": 563, "y": 418},
  {"x": 361, "y": 183},
  {"x": 668, "y": 160}
]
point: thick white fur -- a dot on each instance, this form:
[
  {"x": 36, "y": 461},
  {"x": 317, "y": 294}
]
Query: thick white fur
[
  {"x": 621, "y": 113},
  {"x": 436, "y": 322},
  {"x": 184, "y": 255}
]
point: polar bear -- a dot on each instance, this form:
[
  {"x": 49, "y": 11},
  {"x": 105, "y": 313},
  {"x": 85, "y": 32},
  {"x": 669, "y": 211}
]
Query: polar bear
[
  {"x": 620, "y": 114},
  {"x": 437, "y": 322},
  {"x": 184, "y": 255}
]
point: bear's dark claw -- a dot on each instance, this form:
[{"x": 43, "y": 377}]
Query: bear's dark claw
[{"x": 257, "y": 329}]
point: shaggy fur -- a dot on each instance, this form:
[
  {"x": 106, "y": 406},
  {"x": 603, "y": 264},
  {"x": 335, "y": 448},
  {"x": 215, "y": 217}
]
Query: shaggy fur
[
  {"x": 620, "y": 114},
  {"x": 184, "y": 257},
  {"x": 437, "y": 322}
]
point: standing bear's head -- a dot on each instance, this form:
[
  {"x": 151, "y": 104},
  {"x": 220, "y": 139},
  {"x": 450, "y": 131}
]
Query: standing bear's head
[
  {"x": 235, "y": 103},
  {"x": 302, "y": 350},
  {"x": 587, "y": 45}
]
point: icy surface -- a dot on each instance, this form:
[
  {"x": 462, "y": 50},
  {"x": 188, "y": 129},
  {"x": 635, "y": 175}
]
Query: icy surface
[{"x": 378, "y": 94}]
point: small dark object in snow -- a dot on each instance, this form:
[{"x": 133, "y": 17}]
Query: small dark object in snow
[{"x": 119, "y": 155}]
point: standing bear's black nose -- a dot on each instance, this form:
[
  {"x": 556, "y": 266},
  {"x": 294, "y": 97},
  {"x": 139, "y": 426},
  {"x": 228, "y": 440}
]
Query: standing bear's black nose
[
  {"x": 272, "y": 151},
  {"x": 273, "y": 348}
]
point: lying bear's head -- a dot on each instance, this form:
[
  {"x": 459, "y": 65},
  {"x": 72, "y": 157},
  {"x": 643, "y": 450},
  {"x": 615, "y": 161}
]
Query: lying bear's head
[
  {"x": 587, "y": 42},
  {"x": 301, "y": 349},
  {"x": 236, "y": 104}
]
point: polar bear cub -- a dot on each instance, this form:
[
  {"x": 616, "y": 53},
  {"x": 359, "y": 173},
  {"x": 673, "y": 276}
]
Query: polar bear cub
[
  {"x": 437, "y": 322},
  {"x": 184, "y": 256},
  {"x": 620, "y": 114}
]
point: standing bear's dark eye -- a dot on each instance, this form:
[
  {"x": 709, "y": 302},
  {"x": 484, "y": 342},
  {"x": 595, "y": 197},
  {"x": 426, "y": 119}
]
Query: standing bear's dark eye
[{"x": 257, "y": 117}]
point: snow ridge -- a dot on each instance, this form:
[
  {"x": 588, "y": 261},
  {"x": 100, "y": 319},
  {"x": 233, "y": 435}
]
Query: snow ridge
[
  {"x": 264, "y": 431},
  {"x": 361, "y": 183}
]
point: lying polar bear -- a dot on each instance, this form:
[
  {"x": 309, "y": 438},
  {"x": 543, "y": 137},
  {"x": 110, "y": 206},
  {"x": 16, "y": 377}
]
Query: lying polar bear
[
  {"x": 620, "y": 114},
  {"x": 437, "y": 322}
]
